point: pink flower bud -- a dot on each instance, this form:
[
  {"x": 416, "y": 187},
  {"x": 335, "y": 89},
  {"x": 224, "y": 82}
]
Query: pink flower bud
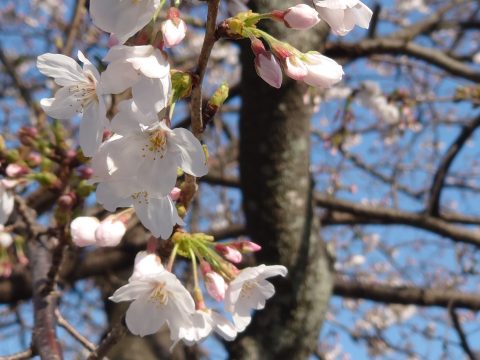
[
  {"x": 175, "y": 193},
  {"x": 85, "y": 173},
  {"x": 9, "y": 183},
  {"x": 269, "y": 69},
  {"x": 229, "y": 253},
  {"x": 34, "y": 159},
  {"x": 215, "y": 285},
  {"x": 301, "y": 17},
  {"x": 258, "y": 47},
  {"x": 247, "y": 246},
  {"x": 295, "y": 68},
  {"x": 110, "y": 232},
  {"x": 83, "y": 230},
  {"x": 67, "y": 201},
  {"x": 173, "y": 29},
  {"x": 15, "y": 170}
]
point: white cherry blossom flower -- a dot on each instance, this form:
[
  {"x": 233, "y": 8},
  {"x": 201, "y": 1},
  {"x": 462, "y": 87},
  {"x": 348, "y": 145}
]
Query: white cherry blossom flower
[
  {"x": 158, "y": 299},
  {"x": 323, "y": 72},
  {"x": 110, "y": 232},
  {"x": 122, "y": 17},
  {"x": 156, "y": 212},
  {"x": 6, "y": 203},
  {"x": 206, "y": 321},
  {"x": 249, "y": 291},
  {"x": 343, "y": 15},
  {"x": 80, "y": 92},
  {"x": 82, "y": 230},
  {"x": 147, "y": 151},
  {"x": 144, "y": 69}
]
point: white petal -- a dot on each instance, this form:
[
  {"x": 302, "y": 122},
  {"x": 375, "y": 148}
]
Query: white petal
[
  {"x": 223, "y": 327},
  {"x": 241, "y": 321},
  {"x": 157, "y": 215},
  {"x": 158, "y": 176},
  {"x": 152, "y": 66},
  {"x": 88, "y": 66},
  {"x": 62, "y": 68},
  {"x": 193, "y": 159},
  {"x": 363, "y": 15},
  {"x": 108, "y": 195},
  {"x": 63, "y": 106},
  {"x": 91, "y": 129},
  {"x": 151, "y": 95},
  {"x": 131, "y": 291},
  {"x": 144, "y": 317},
  {"x": 128, "y": 118},
  {"x": 274, "y": 270},
  {"x": 113, "y": 83},
  {"x": 122, "y": 18}
]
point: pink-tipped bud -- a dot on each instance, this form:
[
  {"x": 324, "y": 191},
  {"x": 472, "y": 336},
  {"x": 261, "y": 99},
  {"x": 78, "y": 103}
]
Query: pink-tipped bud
[
  {"x": 27, "y": 135},
  {"x": 229, "y": 253},
  {"x": 301, "y": 17},
  {"x": 215, "y": 285},
  {"x": 175, "y": 193},
  {"x": 15, "y": 170},
  {"x": 110, "y": 232},
  {"x": 83, "y": 230},
  {"x": 173, "y": 29},
  {"x": 34, "y": 159},
  {"x": 85, "y": 173},
  {"x": 269, "y": 69},
  {"x": 258, "y": 47},
  {"x": 246, "y": 246},
  {"x": 146, "y": 264},
  {"x": 295, "y": 68},
  {"x": 67, "y": 201}
]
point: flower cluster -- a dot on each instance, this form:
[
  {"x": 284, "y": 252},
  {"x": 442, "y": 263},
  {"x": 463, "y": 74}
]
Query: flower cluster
[{"x": 137, "y": 158}]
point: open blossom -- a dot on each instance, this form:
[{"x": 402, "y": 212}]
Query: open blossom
[
  {"x": 79, "y": 93},
  {"x": 144, "y": 69},
  {"x": 343, "y": 15},
  {"x": 158, "y": 299},
  {"x": 173, "y": 29},
  {"x": 122, "y": 17},
  {"x": 6, "y": 203},
  {"x": 148, "y": 150},
  {"x": 249, "y": 291},
  {"x": 156, "y": 212},
  {"x": 205, "y": 321}
]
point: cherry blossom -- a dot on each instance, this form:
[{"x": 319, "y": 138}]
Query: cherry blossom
[
  {"x": 80, "y": 92},
  {"x": 323, "y": 72},
  {"x": 123, "y": 18},
  {"x": 83, "y": 230},
  {"x": 343, "y": 15},
  {"x": 207, "y": 320},
  {"x": 144, "y": 69},
  {"x": 158, "y": 299},
  {"x": 300, "y": 17},
  {"x": 146, "y": 264},
  {"x": 148, "y": 152},
  {"x": 249, "y": 291},
  {"x": 173, "y": 29},
  {"x": 110, "y": 232}
]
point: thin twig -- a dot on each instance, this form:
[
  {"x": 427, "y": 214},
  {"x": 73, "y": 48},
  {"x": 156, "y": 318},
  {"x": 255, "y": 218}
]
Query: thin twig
[
  {"x": 72, "y": 331},
  {"x": 461, "y": 334},
  {"x": 74, "y": 26},
  {"x": 26, "y": 354},
  {"x": 114, "y": 335}
]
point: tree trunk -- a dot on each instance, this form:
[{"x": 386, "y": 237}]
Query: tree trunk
[{"x": 277, "y": 200}]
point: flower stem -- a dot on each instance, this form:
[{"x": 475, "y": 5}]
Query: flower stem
[{"x": 171, "y": 260}]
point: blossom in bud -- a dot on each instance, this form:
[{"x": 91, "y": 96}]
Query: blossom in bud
[
  {"x": 268, "y": 68},
  {"x": 67, "y": 201},
  {"x": 34, "y": 159},
  {"x": 215, "y": 285},
  {"x": 15, "y": 170},
  {"x": 27, "y": 134},
  {"x": 6, "y": 239},
  {"x": 247, "y": 246},
  {"x": 146, "y": 264},
  {"x": 249, "y": 291},
  {"x": 323, "y": 72},
  {"x": 85, "y": 173},
  {"x": 173, "y": 29},
  {"x": 343, "y": 15},
  {"x": 110, "y": 232},
  {"x": 229, "y": 253},
  {"x": 300, "y": 17},
  {"x": 295, "y": 68},
  {"x": 175, "y": 193},
  {"x": 83, "y": 230}
]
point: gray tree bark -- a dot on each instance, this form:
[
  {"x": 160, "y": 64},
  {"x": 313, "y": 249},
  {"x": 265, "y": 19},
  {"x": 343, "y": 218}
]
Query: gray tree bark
[{"x": 277, "y": 199}]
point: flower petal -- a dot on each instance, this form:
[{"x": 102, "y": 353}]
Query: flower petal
[
  {"x": 112, "y": 83},
  {"x": 157, "y": 215},
  {"x": 131, "y": 291},
  {"x": 193, "y": 159},
  {"x": 63, "y": 106},
  {"x": 63, "y": 69},
  {"x": 7, "y": 202},
  {"x": 151, "y": 95},
  {"x": 91, "y": 129},
  {"x": 144, "y": 317}
]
